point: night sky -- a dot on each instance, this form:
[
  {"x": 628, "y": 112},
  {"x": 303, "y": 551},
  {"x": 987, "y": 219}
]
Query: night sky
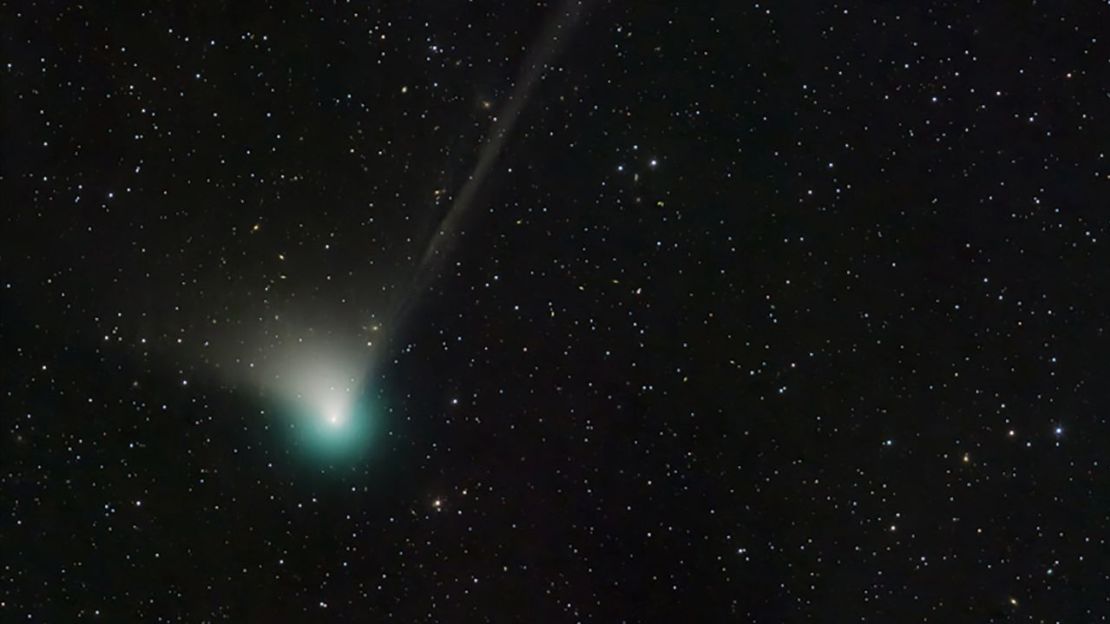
[{"x": 546, "y": 311}]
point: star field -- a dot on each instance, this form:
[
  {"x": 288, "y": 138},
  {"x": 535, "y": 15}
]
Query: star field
[{"x": 546, "y": 311}]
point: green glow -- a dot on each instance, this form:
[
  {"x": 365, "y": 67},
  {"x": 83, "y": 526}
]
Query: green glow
[
  {"x": 327, "y": 407},
  {"x": 333, "y": 429}
]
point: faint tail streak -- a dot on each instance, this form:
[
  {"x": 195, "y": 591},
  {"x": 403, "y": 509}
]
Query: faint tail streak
[{"x": 550, "y": 42}]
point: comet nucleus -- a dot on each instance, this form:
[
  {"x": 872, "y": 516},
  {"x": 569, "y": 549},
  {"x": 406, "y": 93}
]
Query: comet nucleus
[{"x": 321, "y": 395}]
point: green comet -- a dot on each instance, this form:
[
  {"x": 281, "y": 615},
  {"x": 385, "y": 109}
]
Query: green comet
[
  {"x": 327, "y": 410},
  {"x": 333, "y": 429}
]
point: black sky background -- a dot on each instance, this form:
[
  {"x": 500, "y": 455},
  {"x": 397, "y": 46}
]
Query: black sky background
[{"x": 771, "y": 378}]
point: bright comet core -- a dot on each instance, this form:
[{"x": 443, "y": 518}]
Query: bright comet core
[{"x": 319, "y": 392}]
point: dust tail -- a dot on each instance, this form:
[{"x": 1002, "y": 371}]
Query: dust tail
[{"x": 550, "y": 42}]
